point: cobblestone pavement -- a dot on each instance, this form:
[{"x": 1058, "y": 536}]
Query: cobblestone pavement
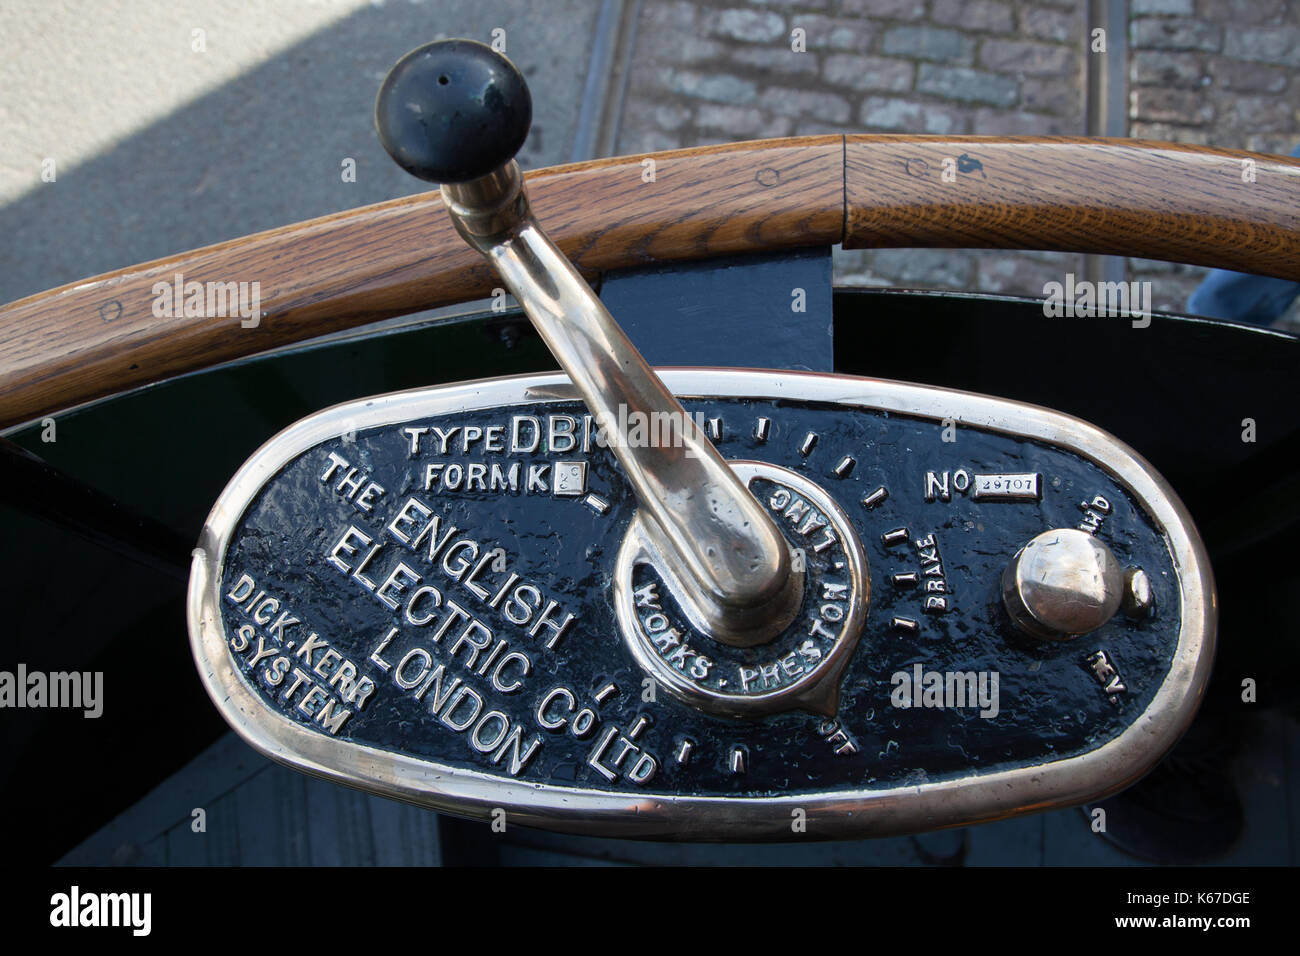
[{"x": 1216, "y": 72}]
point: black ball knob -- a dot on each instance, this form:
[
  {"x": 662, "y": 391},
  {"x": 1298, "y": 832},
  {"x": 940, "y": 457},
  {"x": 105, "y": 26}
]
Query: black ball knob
[{"x": 452, "y": 111}]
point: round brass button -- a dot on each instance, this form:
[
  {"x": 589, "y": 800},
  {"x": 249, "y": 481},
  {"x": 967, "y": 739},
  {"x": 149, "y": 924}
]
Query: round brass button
[{"x": 1062, "y": 584}]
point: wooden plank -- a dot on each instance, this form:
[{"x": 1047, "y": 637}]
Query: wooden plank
[
  {"x": 272, "y": 810},
  {"x": 260, "y": 813},
  {"x": 337, "y": 821},
  {"x": 1107, "y": 196},
  {"x": 404, "y": 835},
  {"x": 217, "y": 845},
  {"x": 137, "y": 836}
]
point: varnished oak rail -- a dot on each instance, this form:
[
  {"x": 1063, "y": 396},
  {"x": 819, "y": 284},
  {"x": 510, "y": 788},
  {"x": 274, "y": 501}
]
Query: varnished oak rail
[
  {"x": 1124, "y": 197},
  {"x": 89, "y": 339},
  {"x": 1223, "y": 208}
]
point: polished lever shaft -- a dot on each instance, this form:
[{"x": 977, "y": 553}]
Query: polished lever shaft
[{"x": 455, "y": 113}]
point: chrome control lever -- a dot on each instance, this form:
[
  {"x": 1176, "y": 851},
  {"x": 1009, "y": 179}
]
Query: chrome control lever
[{"x": 455, "y": 112}]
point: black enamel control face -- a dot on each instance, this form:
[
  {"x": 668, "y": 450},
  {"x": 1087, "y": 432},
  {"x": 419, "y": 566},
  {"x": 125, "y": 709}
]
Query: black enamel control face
[
  {"x": 450, "y": 596},
  {"x": 442, "y": 588}
]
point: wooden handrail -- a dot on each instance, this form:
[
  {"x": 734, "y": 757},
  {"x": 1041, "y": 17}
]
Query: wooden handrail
[
  {"x": 94, "y": 338},
  {"x": 1124, "y": 197},
  {"x": 1209, "y": 207}
]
